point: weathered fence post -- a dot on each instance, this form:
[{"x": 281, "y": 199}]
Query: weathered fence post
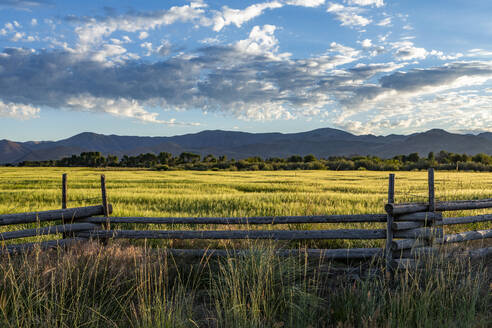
[
  {"x": 436, "y": 222},
  {"x": 432, "y": 199},
  {"x": 105, "y": 205},
  {"x": 64, "y": 191},
  {"x": 389, "y": 225},
  {"x": 64, "y": 200}
]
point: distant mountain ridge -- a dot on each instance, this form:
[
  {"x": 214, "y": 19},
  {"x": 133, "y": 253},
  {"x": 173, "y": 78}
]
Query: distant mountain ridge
[{"x": 320, "y": 142}]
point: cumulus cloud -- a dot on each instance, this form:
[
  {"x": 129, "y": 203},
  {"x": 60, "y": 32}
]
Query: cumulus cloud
[
  {"x": 249, "y": 79},
  {"x": 349, "y": 16},
  {"x": 23, "y": 3},
  {"x": 456, "y": 109},
  {"x": 112, "y": 51},
  {"x": 143, "y": 35},
  {"x": 405, "y": 50},
  {"x": 479, "y": 53},
  {"x": 94, "y": 29},
  {"x": 238, "y": 17},
  {"x": 306, "y": 3},
  {"x": 452, "y": 75},
  {"x": 120, "y": 107},
  {"x": 384, "y": 22},
  {"x": 18, "y": 111},
  {"x": 261, "y": 41},
  {"x": 165, "y": 48},
  {"x": 376, "y": 3},
  {"x": 442, "y": 56}
]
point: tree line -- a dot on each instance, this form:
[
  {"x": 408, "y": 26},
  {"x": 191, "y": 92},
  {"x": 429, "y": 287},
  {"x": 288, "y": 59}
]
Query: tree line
[{"x": 189, "y": 161}]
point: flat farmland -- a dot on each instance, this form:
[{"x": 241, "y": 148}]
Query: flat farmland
[{"x": 229, "y": 194}]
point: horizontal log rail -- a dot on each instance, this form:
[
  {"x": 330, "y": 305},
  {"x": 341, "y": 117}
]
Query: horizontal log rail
[
  {"x": 239, "y": 234},
  {"x": 405, "y": 225},
  {"x": 418, "y": 216},
  {"x": 425, "y": 233},
  {"x": 468, "y": 235},
  {"x": 467, "y": 219},
  {"x": 407, "y": 243},
  {"x": 458, "y": 205},
  {"x": 351, "y": 218},
  {"x": 53, "y": 215},
  {"x": 333, "y": 254},
  {"x": 19, "y": 248},
  {"x": 51, "y": 230},
  {"x": 434, "y": 217}
]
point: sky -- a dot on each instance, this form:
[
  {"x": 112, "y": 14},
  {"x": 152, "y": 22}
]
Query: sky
[{"x": 162, "y": 68}]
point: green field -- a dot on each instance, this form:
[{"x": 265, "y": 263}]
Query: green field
[
  {"x": 181, "y": 193},
  {"x": 122, "y": 285},
  {"x": 190, "y": 193}
]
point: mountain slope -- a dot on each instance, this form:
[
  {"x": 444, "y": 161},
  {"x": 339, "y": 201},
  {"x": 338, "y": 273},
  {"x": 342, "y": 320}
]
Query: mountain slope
[
  {"x": 320, "y": 142},
  {"x": 9, "y": 151}
]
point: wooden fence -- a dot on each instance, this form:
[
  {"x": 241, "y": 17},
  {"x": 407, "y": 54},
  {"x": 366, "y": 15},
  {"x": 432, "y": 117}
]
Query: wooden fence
[{"x": 411, "y": 229}]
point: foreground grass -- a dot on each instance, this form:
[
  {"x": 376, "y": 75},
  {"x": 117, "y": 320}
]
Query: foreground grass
[{"x": 128, "y": 286}]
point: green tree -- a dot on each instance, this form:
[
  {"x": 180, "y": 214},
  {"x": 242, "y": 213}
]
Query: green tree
[{"x": 310, "y": 158}]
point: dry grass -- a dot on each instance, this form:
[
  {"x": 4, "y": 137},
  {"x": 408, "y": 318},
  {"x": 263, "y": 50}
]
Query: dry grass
[{"x": 127, "y": 286}]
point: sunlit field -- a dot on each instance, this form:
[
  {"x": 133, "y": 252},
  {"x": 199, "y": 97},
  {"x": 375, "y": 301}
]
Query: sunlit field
[{"x": 190, "y": 193}]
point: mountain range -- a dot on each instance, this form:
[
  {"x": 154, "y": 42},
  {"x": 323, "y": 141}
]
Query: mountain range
[{"x": 320, "y": 142}]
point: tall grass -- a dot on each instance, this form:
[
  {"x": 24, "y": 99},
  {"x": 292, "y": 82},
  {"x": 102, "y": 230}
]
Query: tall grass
[
  {"x": 128, "y": 286},
  {"x": 261, "y": 289}
]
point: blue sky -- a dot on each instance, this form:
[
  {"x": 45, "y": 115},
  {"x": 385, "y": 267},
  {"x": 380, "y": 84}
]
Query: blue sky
[{"x": 175, "y": 67}]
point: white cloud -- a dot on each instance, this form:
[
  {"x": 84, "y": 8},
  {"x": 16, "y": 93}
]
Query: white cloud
[
  {"x": 452, "y": 109},
  {"x": 442, "y": 56},
  {"x": 261, "y": 40},
  {"x": 384, "y": 22},
  {"x": 34, "y": 22},
  {"x": 94, "y": 30},
  {"x": 405, "y": 50},
  {"x": 305, "y": 3},
  {"x": 372, "y": 48},
  {"x": 366, "y": 43},
  {"x": 17, "y": 36},
  {"x": 376, "y": 3},
  {"x": 143, "y": 35},
  {"x": 147, "y": 46},
  {"x": 238, "y": 17},
  {"x": 109, "y": 53},
  {"x": 214, "y": 40},
  {"x": 18, "y": 111},
  {"x": 348, "y": 15},
  {"x": 121, "y": 107},
  {"x": 9, "y": 26},
  {"x": 479, "y": 53},
  {"x": 164, "y": 48}
]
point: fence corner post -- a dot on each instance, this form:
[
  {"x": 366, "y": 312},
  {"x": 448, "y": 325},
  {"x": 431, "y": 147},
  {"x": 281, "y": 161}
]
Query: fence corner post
[{"x": 389, "y": 227}]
